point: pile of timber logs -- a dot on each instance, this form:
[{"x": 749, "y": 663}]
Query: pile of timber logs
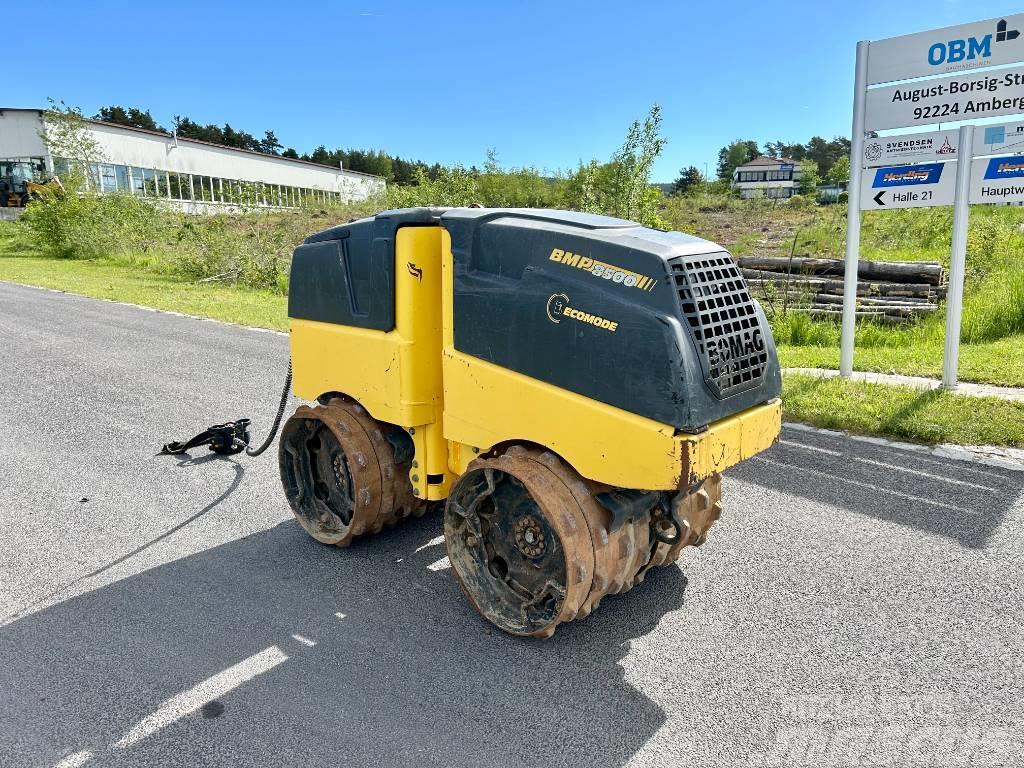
[{"x": 887, "y": 291}]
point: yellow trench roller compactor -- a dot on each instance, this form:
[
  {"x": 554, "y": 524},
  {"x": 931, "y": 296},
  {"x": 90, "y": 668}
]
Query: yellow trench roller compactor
[{"x": 570, "y": 386}]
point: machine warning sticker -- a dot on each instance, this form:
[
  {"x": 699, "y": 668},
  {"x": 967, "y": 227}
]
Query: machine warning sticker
[
  {"x": 559, "y": 306},
  {"x": 605, "y": 271}
]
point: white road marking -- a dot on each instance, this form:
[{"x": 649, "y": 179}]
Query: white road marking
[
  {"x": 189, "y": 701},
  {"x": 75, "y": 760},
  {"x": 304, "y": 640},
  {"x": 811, "y": 448},
  {"x": 432, "y": 543},
  {"x": 926, "y": 474},
  {"x": 961, "y": 466},
  {"x": 1004, "y": 458},
  {"x": 809, "y": 471},
  {"x": 440, "y": 565},
  {"x": 340, "y": 615}
]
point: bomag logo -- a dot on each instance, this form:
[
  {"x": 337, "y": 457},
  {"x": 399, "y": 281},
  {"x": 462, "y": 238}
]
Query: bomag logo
[
  {"x": 956, "y": 51},
  {"x": 601, "y": 269},
  {"x": 729, "y": 348},
  {"x": 559, "y": 306}
]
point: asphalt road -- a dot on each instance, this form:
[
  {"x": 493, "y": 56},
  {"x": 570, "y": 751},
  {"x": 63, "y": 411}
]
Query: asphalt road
[{"x": 857, "y": 603}]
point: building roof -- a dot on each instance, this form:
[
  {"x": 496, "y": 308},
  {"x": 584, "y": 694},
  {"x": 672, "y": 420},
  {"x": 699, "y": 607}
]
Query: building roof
[
  {"x": 764, "y": 160},
  {"x": 171, "y": 136}
]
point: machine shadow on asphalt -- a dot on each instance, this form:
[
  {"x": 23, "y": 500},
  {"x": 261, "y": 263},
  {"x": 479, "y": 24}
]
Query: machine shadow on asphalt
[
  {"x": 380, "y": 650},
  {"x": 962, "y": 500}
]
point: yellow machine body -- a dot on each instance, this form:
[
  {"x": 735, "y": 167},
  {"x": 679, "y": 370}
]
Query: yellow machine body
[{"x": 457, "y": 407}]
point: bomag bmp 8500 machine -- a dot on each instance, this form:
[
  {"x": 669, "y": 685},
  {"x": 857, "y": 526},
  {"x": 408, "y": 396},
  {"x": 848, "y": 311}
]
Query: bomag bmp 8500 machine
[{"x": 571, "y": 386}]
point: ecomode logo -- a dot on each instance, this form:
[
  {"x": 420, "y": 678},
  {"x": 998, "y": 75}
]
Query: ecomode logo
[
  {"x": 956, "y": 51},
  {"x": 559, "y": 306}
]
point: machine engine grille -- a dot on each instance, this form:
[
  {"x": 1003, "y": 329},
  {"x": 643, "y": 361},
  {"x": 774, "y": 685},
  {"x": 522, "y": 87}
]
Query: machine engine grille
[{"x": 716, "y": 303}]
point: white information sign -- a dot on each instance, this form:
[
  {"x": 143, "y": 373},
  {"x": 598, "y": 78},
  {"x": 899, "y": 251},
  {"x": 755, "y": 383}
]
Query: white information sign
[
  {"x": 925, "y": 185},
  {"x": 930, "y": 147},
  {"x": 940, "y": 146},
  {"x": 998, "y": 180},
  {"x": 946, "y": 99},
  {"x": 996, "y": 139},
  {"x": 943, "y": 51}
]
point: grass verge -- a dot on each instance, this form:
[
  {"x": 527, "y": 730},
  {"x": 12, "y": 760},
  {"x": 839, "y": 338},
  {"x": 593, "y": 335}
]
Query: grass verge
[
  {"x": 101, "y": 280},
  {"x": 996, "y": 362},
  {"x": 929, "y": 417}
]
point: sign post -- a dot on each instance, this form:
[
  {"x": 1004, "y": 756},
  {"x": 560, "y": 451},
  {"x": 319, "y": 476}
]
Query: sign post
[
  {"x": 958, "y": 258},
  {"x": 860, "y": 87}
]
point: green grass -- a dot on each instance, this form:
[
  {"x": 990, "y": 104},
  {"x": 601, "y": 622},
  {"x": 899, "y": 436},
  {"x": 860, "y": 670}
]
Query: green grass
[
  {"x": 119, "y": 282},
  {"x": 929, "y": 417},
  {"x": 998, "y": 362}
]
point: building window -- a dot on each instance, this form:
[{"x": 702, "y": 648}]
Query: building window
[
  {"x": 780, "y": 175},
  {"x": 150, "y": 182},
  {"x": 136, "y": 184},
  {"x": 752, "y": 176},
  {"x": 156, "y": 183}
]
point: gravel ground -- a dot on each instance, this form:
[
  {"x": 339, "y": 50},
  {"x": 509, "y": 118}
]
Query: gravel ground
[{"x": 858, "y": 603}]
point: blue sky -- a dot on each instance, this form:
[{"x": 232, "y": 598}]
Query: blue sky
[{"x": 546, "y": 84}]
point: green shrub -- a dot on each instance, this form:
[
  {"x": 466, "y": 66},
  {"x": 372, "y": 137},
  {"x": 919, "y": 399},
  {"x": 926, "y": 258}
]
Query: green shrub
[{"x": 70, "y": 226}]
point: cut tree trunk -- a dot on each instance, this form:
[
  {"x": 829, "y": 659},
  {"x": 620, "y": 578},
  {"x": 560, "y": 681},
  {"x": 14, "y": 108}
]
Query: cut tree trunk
[
  {"x": 929, "y": 273},
  {"x": 827, "y": 285}
]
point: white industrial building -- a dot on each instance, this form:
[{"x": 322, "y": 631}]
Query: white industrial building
[
  {"x": 194, "y": 175},
  {"x": 774, "y": 178}
]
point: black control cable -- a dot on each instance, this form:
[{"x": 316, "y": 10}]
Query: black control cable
[{"x": 233, "y": 437}]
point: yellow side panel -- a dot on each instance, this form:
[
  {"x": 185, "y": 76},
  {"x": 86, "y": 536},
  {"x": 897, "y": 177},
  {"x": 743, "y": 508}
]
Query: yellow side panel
[
  {"x": 395, "y": 375},
  {"x": 358, "y": 362},
  {"x": 486, "y": 405}
]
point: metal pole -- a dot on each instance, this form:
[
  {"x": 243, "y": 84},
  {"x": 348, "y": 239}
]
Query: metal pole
[
  {"x": 860, "y": 87},
  {"x": 958, "y": 256}
]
